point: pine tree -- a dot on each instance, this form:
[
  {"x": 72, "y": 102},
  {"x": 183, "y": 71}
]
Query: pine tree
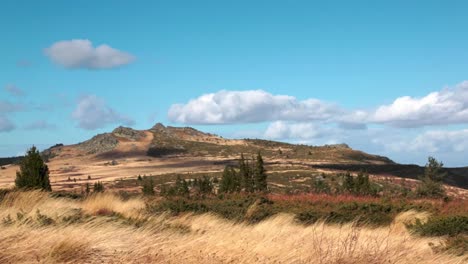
[
  {"x": 88, "y": 189},
  {"x": 226, "y": 181},
  {"x": 245, "y": 174},
  {"x": 181, "y": 187},
  {"x": 148, "y": 187},
  {"x": 34, "y": 173},
  {"x": 348, "y": 183},
  {"x": 205, "y": 186},
  {"x": 431, "y": 181},
  {"x": 362, "y": 185},
  {"x": 98, "y": 187},
  {"x": 260, "y": 176},
  {"x": 320, "y": 186}
]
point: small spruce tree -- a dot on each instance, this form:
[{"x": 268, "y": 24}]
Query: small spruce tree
[
  {"x": 431, "y": 181},
  {"x": 88, "y": 189},
  {"x": 181, "y": 187},
  {"x": 148, "y": 187},
  {"x": 260, "y": 176},
  {"x": 34, "y": 173},
  {"x": 98, "y": 187}
]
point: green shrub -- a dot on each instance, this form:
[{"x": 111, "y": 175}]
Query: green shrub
[{"x": 441, "y": 226}]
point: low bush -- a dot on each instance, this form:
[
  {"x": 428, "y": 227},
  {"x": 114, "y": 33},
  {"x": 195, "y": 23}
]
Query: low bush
[
  {"x": 441, "y": 225},
  {"x": 253, "y": 208}
]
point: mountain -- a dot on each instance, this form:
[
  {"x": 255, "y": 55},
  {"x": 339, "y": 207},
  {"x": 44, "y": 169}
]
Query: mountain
[
  {"x": 126, "y": 152},
  {"x": 165, "y": 142}
]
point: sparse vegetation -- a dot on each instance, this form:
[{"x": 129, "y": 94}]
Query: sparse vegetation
[{"x": 103, "y": 227}]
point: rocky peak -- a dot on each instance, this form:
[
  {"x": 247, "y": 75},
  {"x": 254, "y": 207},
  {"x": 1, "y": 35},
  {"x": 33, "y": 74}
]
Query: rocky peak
[
  {"x": 129, "y": 133},
  {"x": 158, "y": 126},
  {"x": 99, "y": 144},
  {"x": 338, "y": 146}
]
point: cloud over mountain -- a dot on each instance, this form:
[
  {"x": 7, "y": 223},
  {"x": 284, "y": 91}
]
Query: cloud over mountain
[
  {"x": 92, "y": 113},
  {"x": 230, "y": 107},
  {"x": 444, "y": 107}
]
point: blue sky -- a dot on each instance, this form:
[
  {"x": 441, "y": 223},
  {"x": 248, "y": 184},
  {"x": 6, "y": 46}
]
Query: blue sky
[{"x": 385, "y": 77}]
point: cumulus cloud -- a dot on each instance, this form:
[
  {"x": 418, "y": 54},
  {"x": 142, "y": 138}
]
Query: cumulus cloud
[
  {"x": 444, "y": 107},
  {"x": 92, "y": 113},
  {"x": 448, "y": 106},
  {"x": 434, "y": 141},
  {"x": 301, "y": 131},
  {"x": 80, "y": 53},
  {"x": 14, "y": 90},
  {"x": 229, "y": 107},
  {"x": 5, "y": 124},
  {"x": 40, "y": 125}
]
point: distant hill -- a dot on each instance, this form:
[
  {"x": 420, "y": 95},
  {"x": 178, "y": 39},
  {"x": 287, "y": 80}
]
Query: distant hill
[
  {"x": 126, "y": 152},
  {"x": 10, "y": 160},
  {"x": 161, "y": 141}
]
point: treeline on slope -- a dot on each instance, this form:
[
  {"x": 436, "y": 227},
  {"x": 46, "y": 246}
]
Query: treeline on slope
[
  {"x": 10, "y": 160},
  {"x": 247, "y": 177}
]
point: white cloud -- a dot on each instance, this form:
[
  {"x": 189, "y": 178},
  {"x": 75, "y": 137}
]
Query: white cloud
[
  {"x": 92, "y": 113},
  {"x": 40, "y": 125},
  {"x": 448, "y": 106},
  {"x": 80, "y": 53},
  {"x": 14, "y": 90},
  {"x": 433, "y": 142},
  {"x": 229, "y": 107},
  {"x": 5, "y": 124},
  {"x": 301, "y": 131}
]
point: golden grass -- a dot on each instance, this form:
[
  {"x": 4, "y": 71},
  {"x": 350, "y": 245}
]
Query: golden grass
[
  {"x": 104, "y": 203},
  {"x": 194, "y": 239}
]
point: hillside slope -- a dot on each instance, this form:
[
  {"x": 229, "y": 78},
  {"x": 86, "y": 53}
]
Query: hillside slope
[{"x": 127, "y": 153}]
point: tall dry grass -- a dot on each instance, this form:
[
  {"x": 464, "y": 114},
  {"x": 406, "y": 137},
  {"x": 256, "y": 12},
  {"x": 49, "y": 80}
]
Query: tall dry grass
[{"x": 107, "y": 238}]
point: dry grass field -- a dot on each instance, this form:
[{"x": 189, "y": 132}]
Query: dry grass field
[{"x": 103, "y": 228}]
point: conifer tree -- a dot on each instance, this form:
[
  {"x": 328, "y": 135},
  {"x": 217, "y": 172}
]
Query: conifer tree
[
  {"x": 181, "y": 187},
  {"x": 245, "y": 173},
  {"x": 148, "y": 187},
  {"x": 88, "y": 189},
  {"x": 230, "y": 182},
  {"x": 431, "y": 181},
  {"x": 226, "y": 181},
  {"x": 34, "y": 173},
  {"x": 98, "y": 187},
  {"x": 348, "y": 183},
  {"x": 205, "y": 186},
  {"x": 260, "y": 176}
]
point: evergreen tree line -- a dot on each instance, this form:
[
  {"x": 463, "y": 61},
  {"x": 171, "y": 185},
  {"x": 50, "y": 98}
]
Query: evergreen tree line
[
  {"x": 359, "y": 185},
  {"x": 250, "y": 177},
  {"x": 182, "y": 187}
]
